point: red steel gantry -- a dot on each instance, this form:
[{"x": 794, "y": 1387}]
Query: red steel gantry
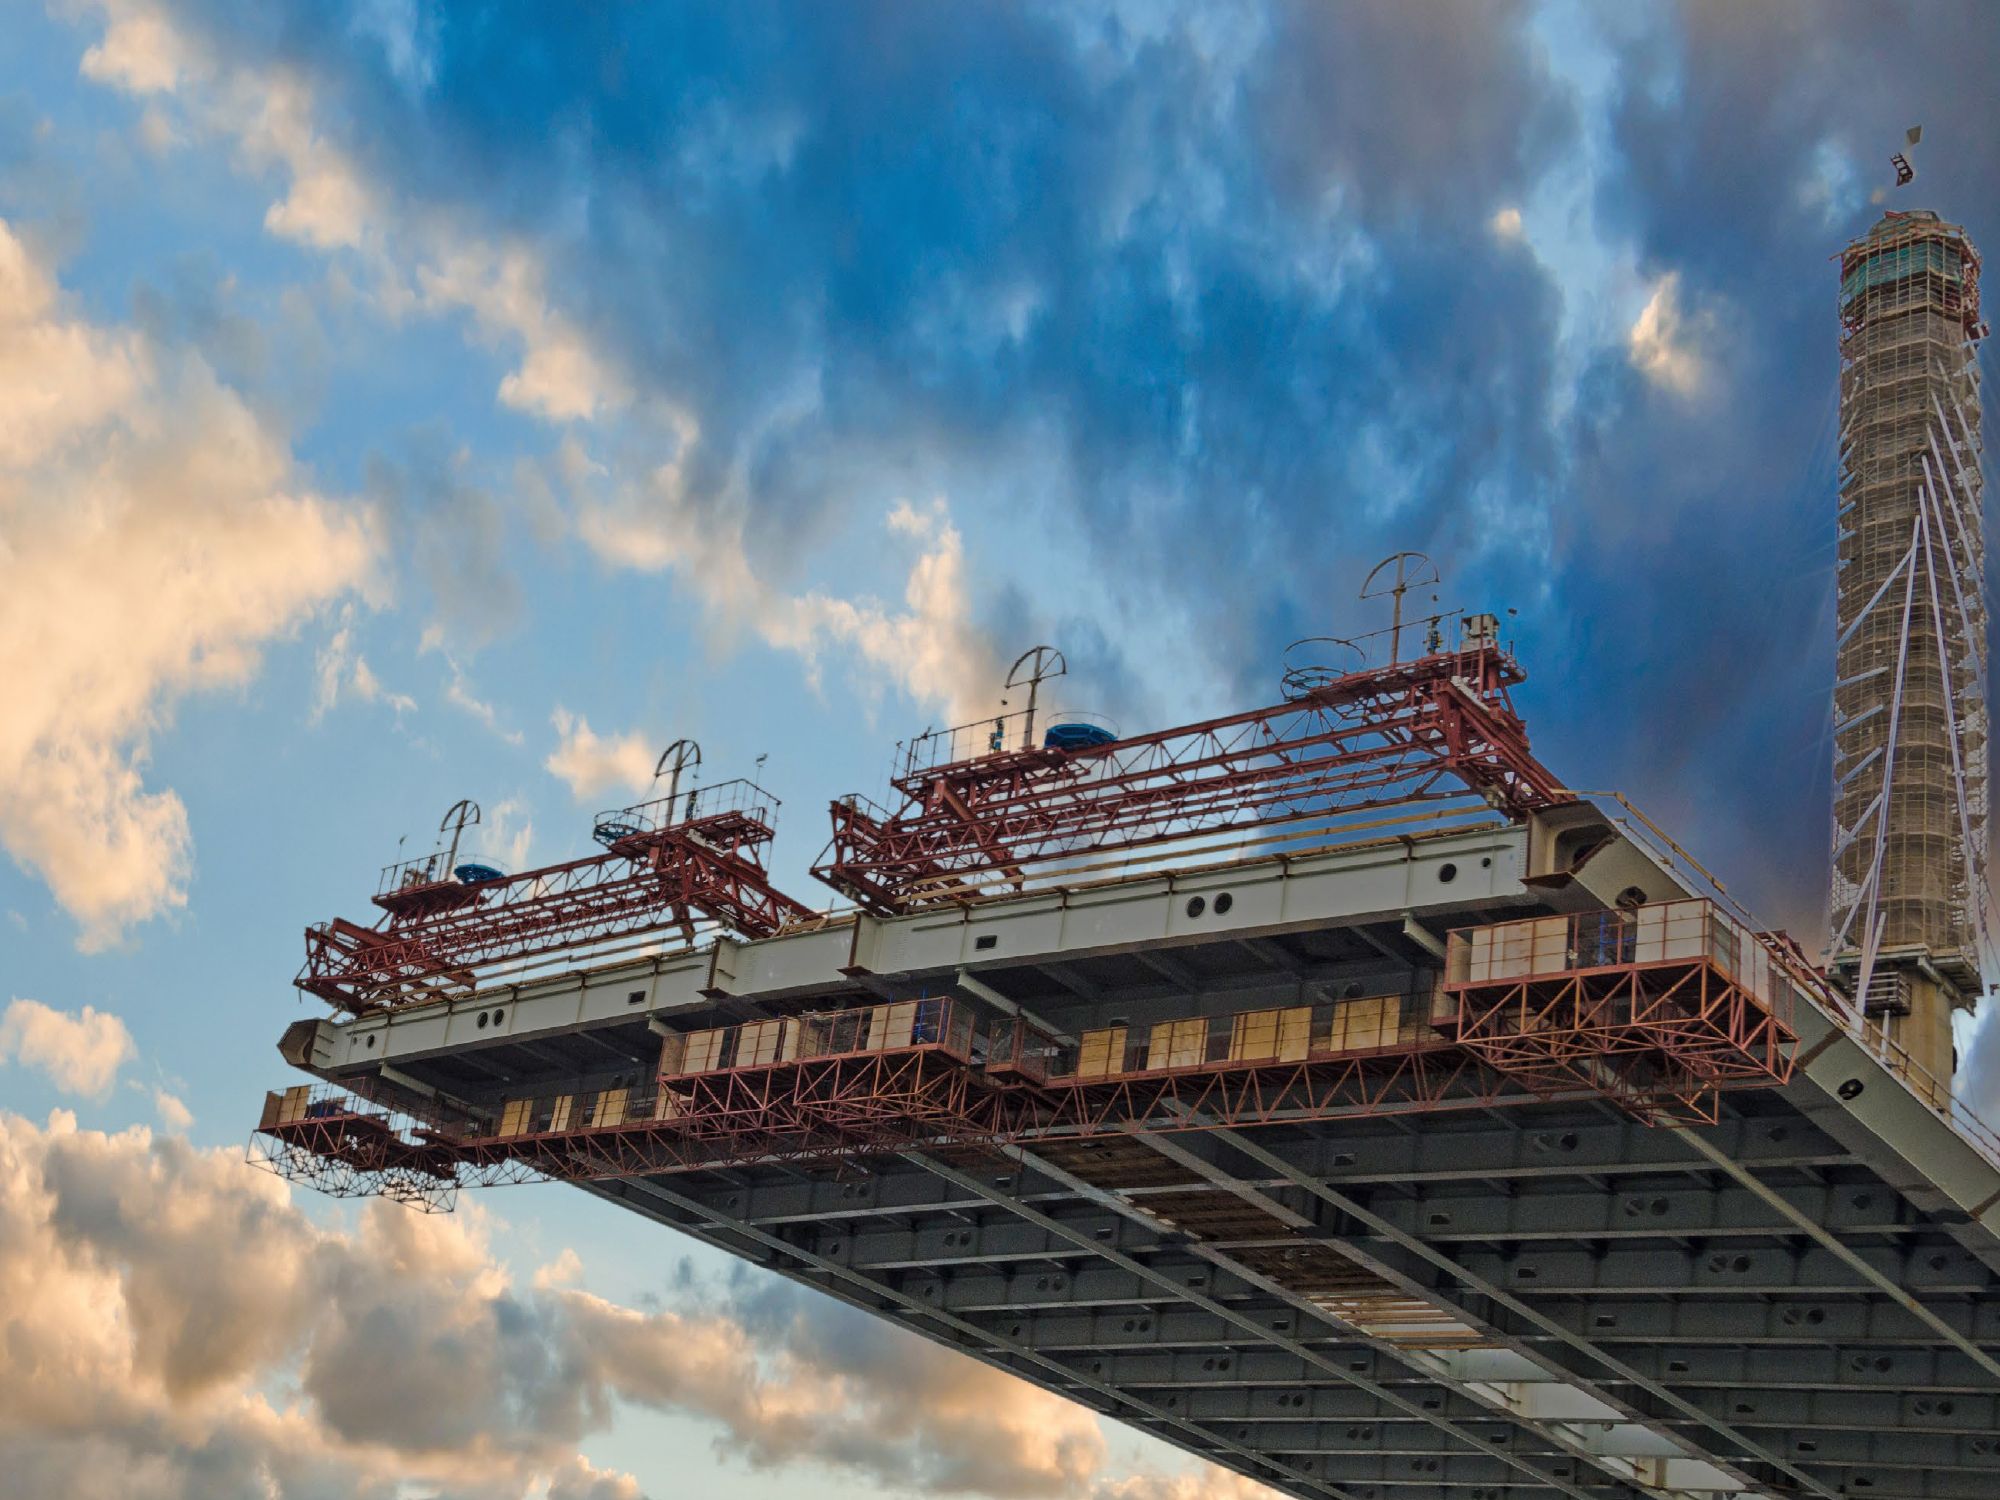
[
  {"x": 677, "y": 862},
  {"x": 992, "y": 822}
]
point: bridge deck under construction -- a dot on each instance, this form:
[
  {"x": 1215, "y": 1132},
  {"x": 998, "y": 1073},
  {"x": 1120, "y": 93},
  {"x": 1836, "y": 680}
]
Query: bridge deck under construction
[{"x": 1552, "y": 1273}]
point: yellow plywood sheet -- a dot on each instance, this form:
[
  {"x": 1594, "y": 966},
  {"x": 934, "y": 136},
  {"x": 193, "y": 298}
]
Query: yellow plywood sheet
[
  {"x": 609, "y": 1109},
  {"x": 561, "y": 1111},
  {"x": 1294, "y": 1033},
  {"x": 890, "y": 1025},
  {"x": 703, "y": 1053},
  {"x": 514, "y": 1115},
  {"x": 1101, "y": 1053},
  {"x": 1190, "y": 1043},
  {"x": 757, "y": 1043},
  {"x": 1253, "y": 1036}
]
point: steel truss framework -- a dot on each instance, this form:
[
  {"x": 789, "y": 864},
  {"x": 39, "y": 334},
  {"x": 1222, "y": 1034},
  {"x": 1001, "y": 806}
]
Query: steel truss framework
[
  {"x": 1642, "y": 1033},
  {"x": 436, "y": 937},
  {"x": 1417, "y": 732},
  {"x": 1661, "y": 1039}
]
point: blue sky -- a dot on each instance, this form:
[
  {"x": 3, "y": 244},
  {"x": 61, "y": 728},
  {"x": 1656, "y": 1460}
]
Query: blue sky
[{"x": 398, "y": 389}]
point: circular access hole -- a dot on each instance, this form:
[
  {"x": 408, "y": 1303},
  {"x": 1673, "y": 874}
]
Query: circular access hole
[
  {"x": 1196, "y": 906},
  {"x": 499, "y": 1016},
  {"x": 1851, "y": 1090},
  {"x": 1447, "y": 873},
  {"x": 1223, "y": 903},
  {"x": 482, "y": 1020}
]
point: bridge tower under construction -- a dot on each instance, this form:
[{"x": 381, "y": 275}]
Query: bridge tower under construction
[{"x": 1908, "y": 913}]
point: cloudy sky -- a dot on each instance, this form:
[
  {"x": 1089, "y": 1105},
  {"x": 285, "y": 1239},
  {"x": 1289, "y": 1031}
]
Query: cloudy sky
[{"x": 402, "y": 402}]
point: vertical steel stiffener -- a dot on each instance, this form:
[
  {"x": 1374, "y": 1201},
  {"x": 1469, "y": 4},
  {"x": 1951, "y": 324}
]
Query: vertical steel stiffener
[{"x": 1909, "y": 916}]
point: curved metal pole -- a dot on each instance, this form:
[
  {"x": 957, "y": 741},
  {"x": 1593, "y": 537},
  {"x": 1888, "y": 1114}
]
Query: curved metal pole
[
  {"x": 1046, "y": 662},
  {"x": 676, "y": 758},
  {"x": 456, "y": 818}
]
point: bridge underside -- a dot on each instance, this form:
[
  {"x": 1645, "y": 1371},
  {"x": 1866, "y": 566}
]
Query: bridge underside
[{"x": 1485, "y": 1304}]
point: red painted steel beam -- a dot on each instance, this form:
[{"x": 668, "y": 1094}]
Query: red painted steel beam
[
  {"x": 1416, "y": 731},
  {"x": 708, "y": 868}
]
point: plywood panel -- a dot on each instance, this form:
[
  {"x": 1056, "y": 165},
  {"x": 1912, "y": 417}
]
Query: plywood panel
[
  {"x": 1294, "y": 1033},
  {"x": 1253, "y": 1036},
  {"x": 703, "y": 1052},
  {"x": 757, "y": 1043},
  {"x": 1102, "y": 1052}
]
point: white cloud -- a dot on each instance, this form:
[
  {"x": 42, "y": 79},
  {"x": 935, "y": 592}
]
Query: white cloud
[
  {"x": 508, "y": 834},
  {"x": 173, "y": 1111},
  {"x": 930, "y": 648},
  {"x": 1506, "y": 224},
  {"x": 341, "y": 671},
  {"x": 153, "y": 536},
  {"x": 416, "y": 262},
  {"x": 592, "y": 764},
  {"x": 141, "y": 53},
  {"x": 80, "y": 1053},
  {"x": 1207, "y": 1484},
  {"x": 459, "y": 693},
  {"x": 173, "y": 1326},
  {"x": 1664, "y": 343}
]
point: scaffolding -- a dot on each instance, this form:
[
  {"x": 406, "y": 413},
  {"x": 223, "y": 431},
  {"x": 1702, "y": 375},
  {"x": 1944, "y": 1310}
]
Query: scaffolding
[
  {"x": 689, "y": 864},
  {"x": 1408, "y": 743},
  {"x": 1656, "y": 1010},
  {"x": 1910, "y": 717}
]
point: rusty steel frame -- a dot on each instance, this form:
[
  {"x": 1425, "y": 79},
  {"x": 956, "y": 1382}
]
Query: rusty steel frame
[
  {"x": 434, "y": 939},
  {"x": 1438, "y": 726},
  {"x": 1698, "y": 1029},
  {"x": 870, "y": 1104}
]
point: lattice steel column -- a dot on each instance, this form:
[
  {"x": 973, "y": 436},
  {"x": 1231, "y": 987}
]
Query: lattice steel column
[{"x": 1909, "y": 896}]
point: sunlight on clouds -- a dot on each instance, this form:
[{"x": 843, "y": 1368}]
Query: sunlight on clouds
[
  {"x": 931, "y": 649},
  {"x": 141, "y": 52},
  {"x": 425, "y": 263},
  {"x": 59, "y": 378},
  {"x": 152, "y": 538},
  {"x": 1663, "y": 341},
  {"x": 80, "y": 1053},
  {"x": 1211, "y": 1484},
  {"x": 166, "y": 1313},
  {"x": 591, "y": 764},
  {"x": 1506, "y": 224}
]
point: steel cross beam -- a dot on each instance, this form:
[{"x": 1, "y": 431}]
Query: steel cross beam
[
  {"x": 1423, "y": 730},
  {"x": 1293, "y": 1220},
  {"x": 1261, "y": 1332},
  {"x": 1863, "y": 1265},
  {"x": 1193, "y": 1437},
  {"x": 1613, "y": 1365}
]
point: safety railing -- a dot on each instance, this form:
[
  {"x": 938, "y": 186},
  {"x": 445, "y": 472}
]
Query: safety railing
[
  {"x": 427, "y": 869},
  {"x": 1667, "y": 932},
  {"x": 1271, "y": 1035},
  {"x": 739, "y": 796}
]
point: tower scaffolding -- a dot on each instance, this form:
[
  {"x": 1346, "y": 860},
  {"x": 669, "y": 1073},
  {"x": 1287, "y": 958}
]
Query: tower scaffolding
[{"x": 1909, "y": 912}]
